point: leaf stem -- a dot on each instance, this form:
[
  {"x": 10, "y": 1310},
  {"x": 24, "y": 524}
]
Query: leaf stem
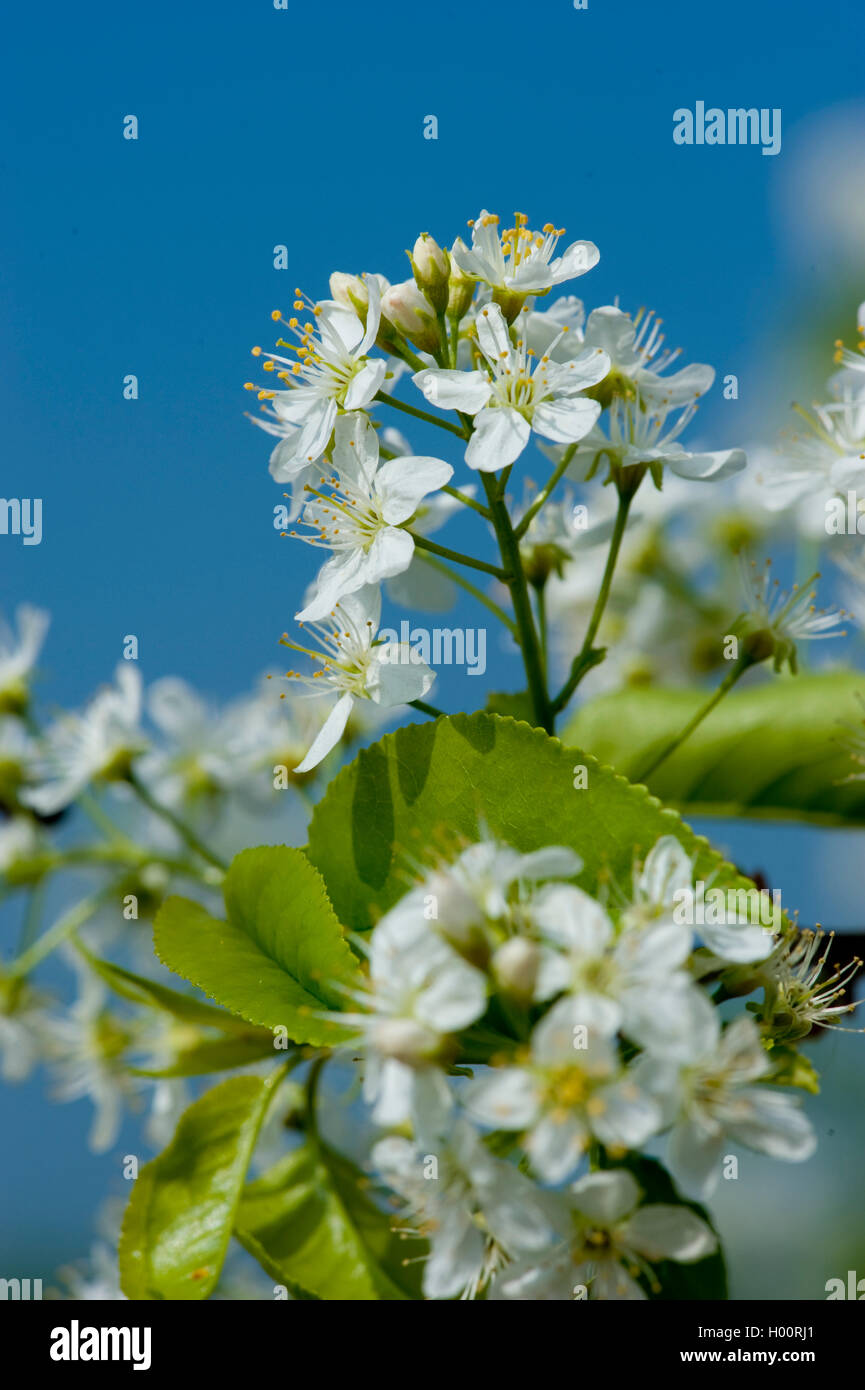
[
  {"x": 384, "y": 399},
  {"x": 529, "y": 516},
  {"x": 472, "y": 589},
  {"x": 742, "y": 665},
  {"x": 426, "y": 544},
  {"x": 468, "y": 501},
  {"x": 186, "y": 833},
  {"x": 427, "y": 709},
  {"x": 518, "y": 585},
  {"x": 589, "y": 656},
  {"x": 62, "y": 928}
]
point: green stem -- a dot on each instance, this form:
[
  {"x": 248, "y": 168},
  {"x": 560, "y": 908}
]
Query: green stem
[
  {"x": 516, "y": 582},
  {"x": 542, "y": 622},
  {"x": 183, "y": 830},
  {"x": 472, "y": 589},
  {"x": 400, "y": 347},
  {"x": 427, "y": 709},
  {"x": 529, "y": 516},
  {"x": 467, "y": 501},
  {"x": 587, "y": 657},
  {"x": 420, "y": 414},
  {"x": 454, "y": 340},
  {"x": 62, "y": 928},
  {"x": 426, "y": 544},
  {"x": 30, "y": 925},
  {"x": 727, "y": 683},
  {"x": 92, "y": 809}
]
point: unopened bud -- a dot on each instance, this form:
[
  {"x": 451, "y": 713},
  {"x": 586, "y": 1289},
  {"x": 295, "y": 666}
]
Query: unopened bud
[
  {"x": 350, "y": 291},
  {"x": 461, "y": 287},
  {"x": 406, "y": 308},
  {"x": 515, "y": 966},
  {"x": 431, "y": 266}
]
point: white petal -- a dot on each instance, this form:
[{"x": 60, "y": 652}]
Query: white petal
[
  {"x": 629, "y": 1116},
  {"x": 663, "y": 1232},
  {"x": 738, "y": 941},
  {"x": 316, "y": 431},
  {"x": 355, "y": 450},
  {"x": 606, "y": 1197},
  {"x": 493, "y": 336},
  {"x": 455, "y": 998},
  {"x": 707, "y": 467},
  {"x": 679, "y": 388},
  {"x": 365, "y": 385},
  {"x": 398, "y": 676},
  {"x": 556, "y": 1145},
  {"x": 694, "y": 1158},
  {"x": 329, "y": 735},
  {"x": 374, "y": 285},
  {"x": 576, "y": 260},
  {"x": 452, "y": 390},
  {"x": 774, "y": 1125},
  {"x": 565, "y": 421},
  {"x": 336, "y": 579},
  {"x": 390, "y": 553},
  {"x": 507, "y": 1099},
  {"x": 572, "y": 918},
  {"x": 401, "y": 483},
  {"x": 554, "y": 861},
  {"x": 499, "y": 438}
]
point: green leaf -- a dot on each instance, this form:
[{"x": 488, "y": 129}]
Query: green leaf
[
  {"x": 774, "y": 750},
  {"x": 421, "y": 791},
  {"x": 279, "y": 959},
  {"x": 179, "y": 1219},
  {"x": 310, "y": 1226},
  {"x": 707, "y": 1279},
  {"x": 140, "y": 990},
  {"x": 216, "y": 1054},
  {"x": 517, "y": 704}
]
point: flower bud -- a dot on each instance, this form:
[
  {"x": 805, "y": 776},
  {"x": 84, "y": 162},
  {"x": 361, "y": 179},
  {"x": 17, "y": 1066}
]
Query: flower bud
[
  {"x": 411, "y": 314},
  {"x": 461, "y": 287},
  {"x": 431, "y": 266},
  {"x": 350, "y": 291},
  {"x": 515, "y": 966}
]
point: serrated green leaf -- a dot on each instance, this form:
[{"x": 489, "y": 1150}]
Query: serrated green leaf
[
  {"x": 216, "y": 1054},
  {"x": 140, "y": 990},
  {"x": 280, "y": 958},
  {"x": 417, "y": 792},
  {"x": 772, "y": 750},
  {"x": 296, "y": 1221},
  {"x": 518, "y": 705},
  {"x": 180, "y": 1216}
]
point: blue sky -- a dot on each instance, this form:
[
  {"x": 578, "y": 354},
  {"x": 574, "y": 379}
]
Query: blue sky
[
  {"x": 304, "y": 127},
  {"x": 259, "y": 127}
]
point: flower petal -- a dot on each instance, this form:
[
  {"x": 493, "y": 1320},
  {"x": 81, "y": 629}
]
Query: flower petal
[
  {"x": 329, "y": 735},
  {"x": 452, "y": 390},
  {"x": 402, "y": 483},
  {"x": 500, "y": 436}
]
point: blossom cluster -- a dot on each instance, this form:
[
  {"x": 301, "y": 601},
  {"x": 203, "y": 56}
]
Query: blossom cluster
[
  {"x": 510, "y": 1014},
  {"x": 502, "y": 366},
  {"x": 98, "y": 801}
]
